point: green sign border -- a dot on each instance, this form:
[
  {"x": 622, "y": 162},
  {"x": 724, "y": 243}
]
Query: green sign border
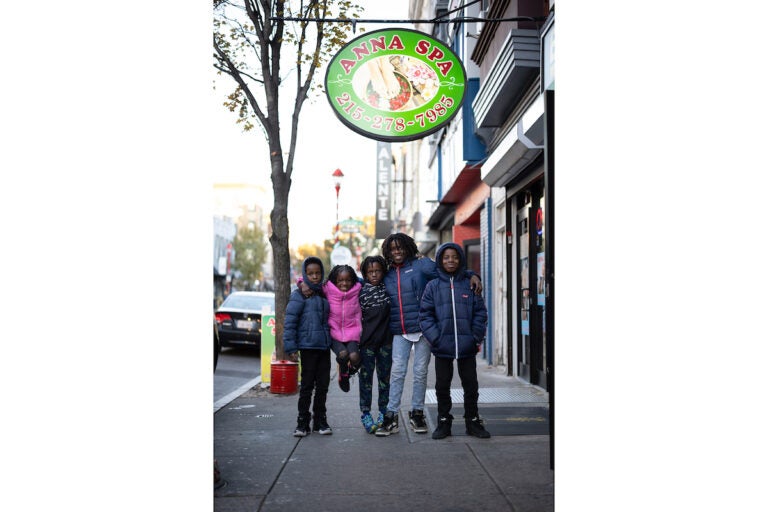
[{"x": 386, "y": 125}]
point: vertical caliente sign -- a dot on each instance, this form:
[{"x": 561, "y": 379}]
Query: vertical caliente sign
[
  {"x": 383, "y": 189},
  {"x": 395, "y": 85}
]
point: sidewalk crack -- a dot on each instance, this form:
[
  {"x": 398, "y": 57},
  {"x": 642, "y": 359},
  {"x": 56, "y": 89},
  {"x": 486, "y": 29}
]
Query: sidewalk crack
[
  {"x": 490, "y": 476},
  {"x": 277, "y": 477}
]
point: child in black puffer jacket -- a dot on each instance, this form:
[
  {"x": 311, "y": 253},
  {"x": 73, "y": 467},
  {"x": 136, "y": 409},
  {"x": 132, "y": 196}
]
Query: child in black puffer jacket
[
  {"x": 375, "y": 341},
  {"x": 453, "y": 320},
  {"x": 306, "y": 334}
]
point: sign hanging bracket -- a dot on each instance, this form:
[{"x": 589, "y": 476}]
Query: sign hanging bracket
[
  {"x": 438, "y": 19},
  {"x": 459, "y": 19}
]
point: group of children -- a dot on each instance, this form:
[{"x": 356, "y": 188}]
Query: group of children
[{"x": 405, "y": 303}]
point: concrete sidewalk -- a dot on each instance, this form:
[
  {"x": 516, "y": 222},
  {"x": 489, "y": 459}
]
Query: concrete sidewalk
[{"x": 267, "y": 469}]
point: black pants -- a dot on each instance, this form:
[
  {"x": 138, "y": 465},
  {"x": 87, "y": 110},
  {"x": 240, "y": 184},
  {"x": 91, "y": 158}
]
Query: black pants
[
  {"x": 444, "y": 375},
  {"x": 315, "y": 375}
]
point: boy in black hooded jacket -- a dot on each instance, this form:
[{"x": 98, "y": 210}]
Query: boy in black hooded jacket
[
  {"x": 453, "y": 320},
  {"x": 306, "y": 332},
  {"x": 375, "y": 341}
]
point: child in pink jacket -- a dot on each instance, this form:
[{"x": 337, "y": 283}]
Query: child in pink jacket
[
  {"x": 342, "y": 289},
  {"x": 345, "y": 319}
]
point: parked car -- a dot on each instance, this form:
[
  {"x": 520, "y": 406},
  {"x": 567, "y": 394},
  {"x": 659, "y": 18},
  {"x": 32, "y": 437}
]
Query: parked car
[
  {"x": 216, "y": 343},
  {"x": 239, "y": 318}
]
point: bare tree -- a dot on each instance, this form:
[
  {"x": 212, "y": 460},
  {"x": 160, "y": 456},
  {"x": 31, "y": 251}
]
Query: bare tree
[{"x": 248, "y": 47}]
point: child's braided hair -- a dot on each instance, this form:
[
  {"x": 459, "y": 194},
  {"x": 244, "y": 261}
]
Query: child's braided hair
[
  {"x": 337, "y": 270},
  {"x": 405, "y": 242}
]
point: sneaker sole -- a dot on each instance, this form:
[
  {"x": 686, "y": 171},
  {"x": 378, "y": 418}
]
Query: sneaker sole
[{"x": 419, "y": 430}]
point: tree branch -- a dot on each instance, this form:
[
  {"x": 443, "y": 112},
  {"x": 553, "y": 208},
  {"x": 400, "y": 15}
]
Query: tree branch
[{"x": 236, "y": 74}]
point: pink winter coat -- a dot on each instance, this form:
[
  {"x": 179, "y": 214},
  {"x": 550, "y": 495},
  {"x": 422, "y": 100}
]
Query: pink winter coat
[{"x": 346, "y": 317}]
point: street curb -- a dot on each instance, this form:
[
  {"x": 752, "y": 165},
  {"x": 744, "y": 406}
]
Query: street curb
[{"x": 221, "y": 402}]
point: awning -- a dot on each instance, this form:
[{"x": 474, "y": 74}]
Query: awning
[
  {"x": 518, "y": 149},
  {"x": 463, "y": 201}
]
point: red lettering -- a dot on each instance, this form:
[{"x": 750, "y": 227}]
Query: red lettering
[
  {"x": 436, "y": 54},
  {"x": 361, "y": 50},
  {"x": 396, "y": 43},
  {"x": 445, "y": 66},
  {"x": 347, "y": 64},
  {"x": 422, "y": 47},
  {"x": 378, "y": 44}
]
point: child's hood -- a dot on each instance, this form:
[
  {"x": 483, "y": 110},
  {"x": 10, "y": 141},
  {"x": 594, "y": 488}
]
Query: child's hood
[
  {"x": 439, "y": 259},
  {"x": 318, "y": 287},
  {"x": 331, "y": 289}
]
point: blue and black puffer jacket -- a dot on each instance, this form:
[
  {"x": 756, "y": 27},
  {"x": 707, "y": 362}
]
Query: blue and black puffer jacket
[
  {"x": 306, "y": 318},
  {"x": 452, "y": 318},
  {"x": 405, "y": 285}
]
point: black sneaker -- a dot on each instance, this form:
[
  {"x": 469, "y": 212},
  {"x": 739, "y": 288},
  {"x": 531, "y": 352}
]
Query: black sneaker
[
  {"x": 390, "y": 425},
  {"x": 443, "y": 429},
  {"x": 320, "y": 425},
  {"x": 344, "y": 380},
  {"x": 475, "y": 428},
  {"x": 418, "y": 424},
  {"x": 302, "y": 428}
]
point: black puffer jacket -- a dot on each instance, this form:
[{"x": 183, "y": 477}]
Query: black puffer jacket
[
  {"x": 306, "y": 318},
  {"x": 375, "y": 304},
  {"x": 452, "y": 318}
]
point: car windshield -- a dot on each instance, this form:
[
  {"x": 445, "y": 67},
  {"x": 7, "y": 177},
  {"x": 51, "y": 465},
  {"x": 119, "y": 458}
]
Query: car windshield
[{"x": 249, "y": 302}]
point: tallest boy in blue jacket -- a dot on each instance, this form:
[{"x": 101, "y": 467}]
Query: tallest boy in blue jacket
[
  {"x": 453, "y": 319},
  {"x": 405, "y": 281}
]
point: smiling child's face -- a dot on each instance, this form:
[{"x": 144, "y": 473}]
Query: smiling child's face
[
  {"x": 345, "y": 281},
  {"x": 450, "y": 260},
  {"x": 397, "y": 252}
]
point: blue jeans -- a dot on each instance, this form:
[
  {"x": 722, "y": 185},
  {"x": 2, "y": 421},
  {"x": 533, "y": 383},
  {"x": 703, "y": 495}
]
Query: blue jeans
[{"x": 401, "y": 352}]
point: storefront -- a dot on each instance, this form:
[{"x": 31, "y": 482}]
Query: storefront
[
  {"x": 526, "y": 208},
  {"x": 517, "y": 165}
]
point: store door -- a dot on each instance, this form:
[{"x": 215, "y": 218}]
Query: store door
[{"x": 531, "y": 284}]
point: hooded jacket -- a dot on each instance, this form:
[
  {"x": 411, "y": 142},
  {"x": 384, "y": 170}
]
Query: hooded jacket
[
  {"x": 345, "y": 319},
  {"x": 306, "y": 318},
  {"x": 452, "y": 318},
  {"x": 405, "y": 285}
]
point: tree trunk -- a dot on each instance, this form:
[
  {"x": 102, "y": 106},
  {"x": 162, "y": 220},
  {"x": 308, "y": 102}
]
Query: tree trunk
[{"x": 281, "y": 254}]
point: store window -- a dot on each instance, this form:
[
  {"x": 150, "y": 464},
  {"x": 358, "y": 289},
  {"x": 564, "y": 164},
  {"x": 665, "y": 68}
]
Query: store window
[{"x": 472, "y": 251}]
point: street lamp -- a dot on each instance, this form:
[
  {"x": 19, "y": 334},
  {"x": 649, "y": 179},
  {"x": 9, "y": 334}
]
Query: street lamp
[{"x": 338, "y": 176}]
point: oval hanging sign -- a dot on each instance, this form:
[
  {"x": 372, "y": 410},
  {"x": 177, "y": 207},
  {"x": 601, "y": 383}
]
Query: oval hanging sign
[{"x": 395, "y": 85}]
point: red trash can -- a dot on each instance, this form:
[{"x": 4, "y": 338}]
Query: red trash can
[{"x": 285, "y": 377}]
